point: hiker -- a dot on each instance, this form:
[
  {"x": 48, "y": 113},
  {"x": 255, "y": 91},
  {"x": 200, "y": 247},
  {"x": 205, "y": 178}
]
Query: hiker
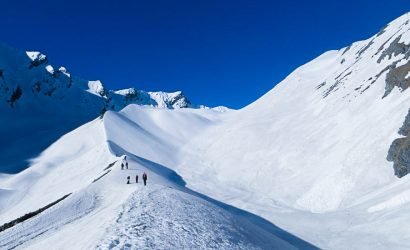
[
  {"x": 125, "y": 157},
  {"x": 145, "y": 177},
  {"x": 126, "y": 164},
  {"x": 136, "y": 179},
  {"x": 128, "y": 179},
  {"x": 122, "y": 166}
]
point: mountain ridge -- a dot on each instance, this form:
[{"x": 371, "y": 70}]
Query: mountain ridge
[
  {"x": 41, "y": 102},
  {"x": 323, "y": 156}
]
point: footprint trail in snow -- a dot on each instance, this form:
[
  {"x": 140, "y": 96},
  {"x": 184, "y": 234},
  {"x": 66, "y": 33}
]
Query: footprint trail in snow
[{"x": 155, "y": 217}]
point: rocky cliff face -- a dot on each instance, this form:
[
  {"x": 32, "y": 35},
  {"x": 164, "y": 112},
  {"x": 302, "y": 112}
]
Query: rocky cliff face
[
  {"x": 40, "y": 102},
  {"x": 383, "y": 58}
]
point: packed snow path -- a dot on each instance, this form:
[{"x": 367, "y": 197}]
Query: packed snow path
[
  {"x": 155, "y": 217},
  {"x": 166, "y": 215},
  {"x": 162, "y": 215}
]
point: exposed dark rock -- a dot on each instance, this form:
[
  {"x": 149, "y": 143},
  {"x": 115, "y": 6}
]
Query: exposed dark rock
[
  {"x": 382, "y": 30},
  {"x": 361, "y": 92},
  {"x": 131, "y": 95},
  {"x": 101, "y": 93},
  {"x": 330, "y": 89},
  {"x": 30, "y": 215},
  {"x": 37, "y": 62},
  {"x": 358, "y": 88},
  {"x": 405, "y": 128},
  {"x": 399, "y": 151},
  {"x": 347, "y": 49},
  {"x": 376, "y": 77},
  {"x": 399, "y": 154},
  {"x": 110, "y": 165},
  {"x": 321, "y": 85},
  {"x": 395, "y": 48},
  {"x": 344, "y": 71},
  {"x": 15, "y": 95},
  {"x": 70, "y": 83},
  {"x": 384, "y": 44},
  {"x": 397, "y": 77},
  {"x": 101, "y": 176},
  {"x": 102, "y": 113},
  {"x": 185, "y": 103},
  {"x": 336, "y": 84},
  {"x": 363, "y": 49}
]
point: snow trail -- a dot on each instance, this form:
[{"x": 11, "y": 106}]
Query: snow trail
[{"x": 155, "y": 217}]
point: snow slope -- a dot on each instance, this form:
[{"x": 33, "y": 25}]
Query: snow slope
[
  {"x": 323, "y": 156},
  {"x": 104, "y": 212},
  {"x": 40, "y": 103},
  {"x": 316, "y": 146}
]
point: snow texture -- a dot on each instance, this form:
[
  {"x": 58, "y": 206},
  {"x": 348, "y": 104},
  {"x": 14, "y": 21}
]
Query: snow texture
[
  {"x": 310, "y": 164},
  {"x": 162, "y": 215},
  {"x": 39, "y": 103}
]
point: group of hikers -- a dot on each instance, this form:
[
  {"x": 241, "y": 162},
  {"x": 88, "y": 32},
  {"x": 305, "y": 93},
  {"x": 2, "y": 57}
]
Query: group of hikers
[
  {"x": 144, "y": 175},
  {"x": 124, "y": 161},
  {"x": 144, "y": 178}
]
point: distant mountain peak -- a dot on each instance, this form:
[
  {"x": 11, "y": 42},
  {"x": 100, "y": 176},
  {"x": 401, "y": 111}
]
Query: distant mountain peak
[{"x": 49, "y": 98}]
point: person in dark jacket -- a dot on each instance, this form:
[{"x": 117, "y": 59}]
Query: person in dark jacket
[
  {"x": 144, "y": 178},
  {"x": 126, "y": 165},
  {"x": 136, "y": 179},
  {"x": 122, "y": 166},
  {"x": 128, "y": 179}
]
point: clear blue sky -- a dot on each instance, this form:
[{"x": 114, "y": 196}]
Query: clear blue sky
[{"x": 218, "y": 52}]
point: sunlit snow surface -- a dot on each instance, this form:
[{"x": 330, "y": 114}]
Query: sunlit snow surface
[
  {"x": 108, "y": 213},
  {"x": 309, "y": 156}
]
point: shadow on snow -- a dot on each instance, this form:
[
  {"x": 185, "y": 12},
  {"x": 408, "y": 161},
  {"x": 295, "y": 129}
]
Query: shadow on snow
[{"x": 174, "y": 178}]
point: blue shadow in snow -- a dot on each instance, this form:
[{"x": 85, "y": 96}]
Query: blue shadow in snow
[
  {"x": 152, "y": 166},
  {"x": 173, "y": 177}
]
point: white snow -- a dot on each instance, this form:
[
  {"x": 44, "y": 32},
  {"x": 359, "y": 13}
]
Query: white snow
[
  {"x": 124, "y": 92},
  {"x": 95, "y": 87},
  {"x": 35, "y": 56},
  {"x": 50, "y": 69},
  {"x": 64, "y": 71},
  {"x": 53, "y": 103},
  {"x": 309, "y": 157},
  {"x": 126, "y": 216},
  {"x": 396, "y": 201}
]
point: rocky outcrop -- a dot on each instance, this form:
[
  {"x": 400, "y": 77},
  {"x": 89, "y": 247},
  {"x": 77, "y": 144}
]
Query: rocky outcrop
[
  {"x": 15, "y": 96},
  {"x": 399, "y": 151},
  {"x": 42, "y": 82},
  {"x": 397, "y": 77},
  {"x": 395, "y": 48}
]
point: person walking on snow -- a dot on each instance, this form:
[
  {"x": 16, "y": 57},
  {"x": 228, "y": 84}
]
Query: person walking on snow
[
  {"x": 128, "y": 179},
  {"x": 136, "y": 178},
  {"x": 126, "y": 164},
  {"x": 144, "y": 178},
  {"x": 122, "y": 166}
]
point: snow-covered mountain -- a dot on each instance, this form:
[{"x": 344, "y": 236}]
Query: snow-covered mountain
[
  {"x": 323, "y": 157},
  {"x": 27, "y": 77},
  {"x": 40, "y": 102},
  {"x": 103, "y": 212}
]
